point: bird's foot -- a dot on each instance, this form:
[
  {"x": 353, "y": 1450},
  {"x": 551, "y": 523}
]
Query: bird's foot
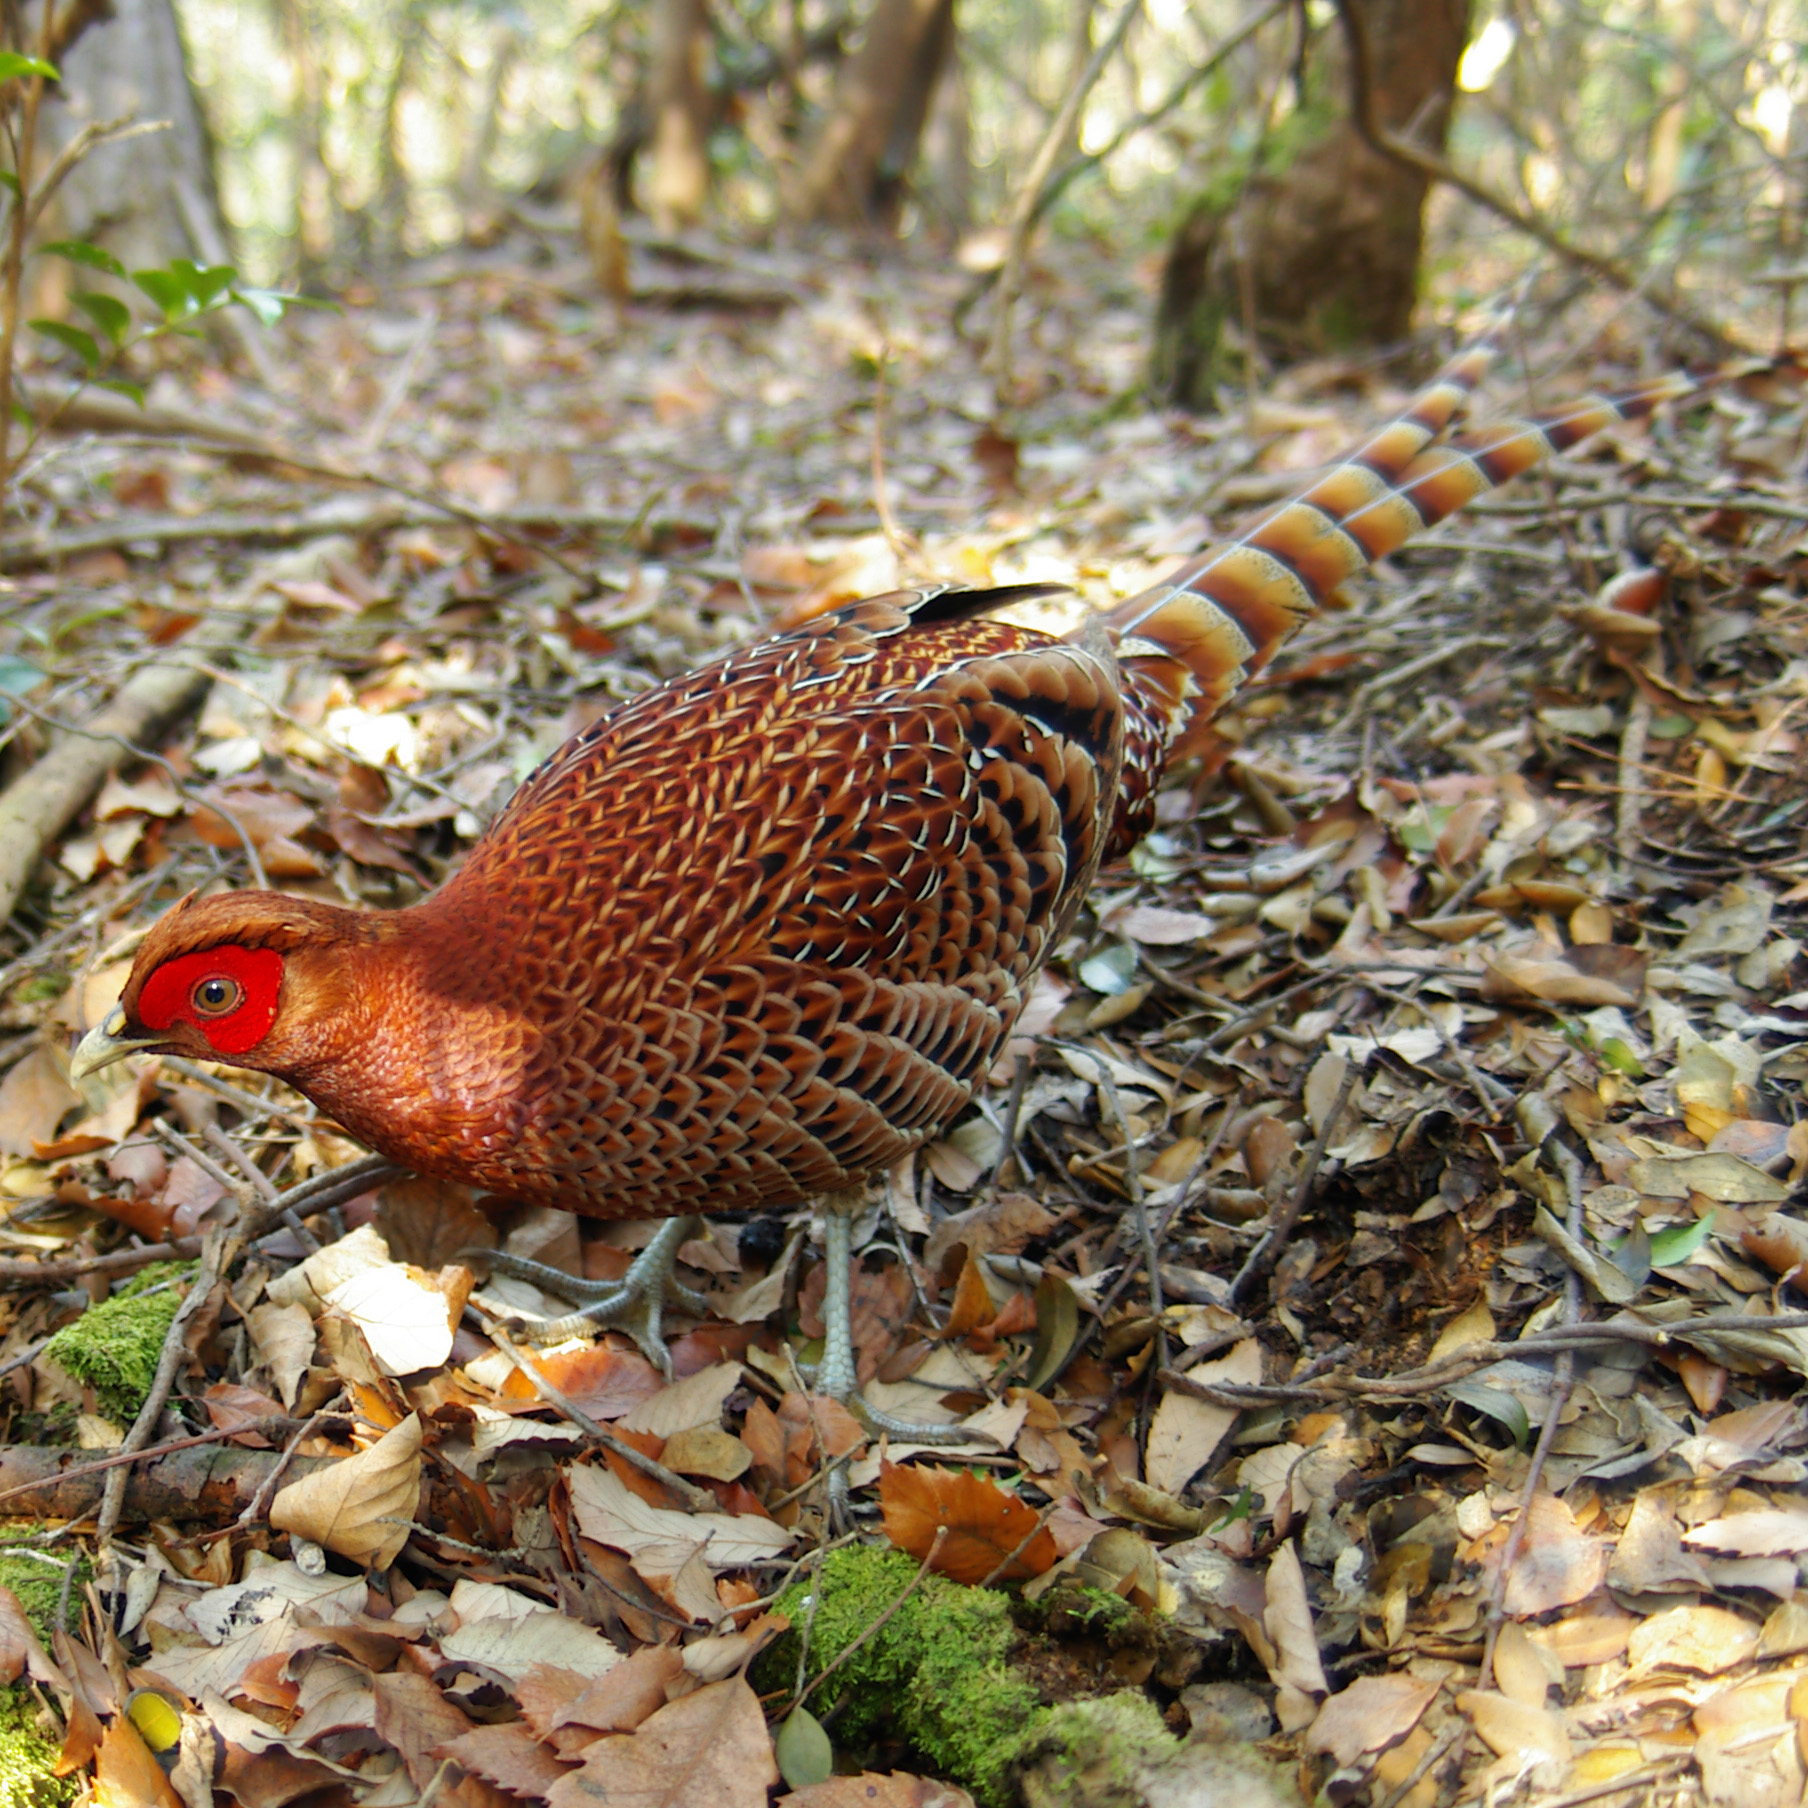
[
  {"x": 836, "y": 1374},
  {"x": 635, "y": 1303}
]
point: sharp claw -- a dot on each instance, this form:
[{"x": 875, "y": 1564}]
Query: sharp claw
[{"x": 635, "y": 1303}]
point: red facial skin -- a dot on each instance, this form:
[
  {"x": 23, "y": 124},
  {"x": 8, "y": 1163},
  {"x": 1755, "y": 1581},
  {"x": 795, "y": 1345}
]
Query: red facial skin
[{"x": 228, "y": 994}]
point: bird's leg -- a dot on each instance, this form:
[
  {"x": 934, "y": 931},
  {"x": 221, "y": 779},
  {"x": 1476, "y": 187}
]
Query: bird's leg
[
  {"x": 836, "y": 1374},
  {"x": 635, "y": 1303}
]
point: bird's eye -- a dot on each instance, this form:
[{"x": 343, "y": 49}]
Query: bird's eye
[{"x": 216, "y": 995}]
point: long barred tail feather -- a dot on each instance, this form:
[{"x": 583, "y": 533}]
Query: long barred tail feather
[{"x": 1188, "y": 644}]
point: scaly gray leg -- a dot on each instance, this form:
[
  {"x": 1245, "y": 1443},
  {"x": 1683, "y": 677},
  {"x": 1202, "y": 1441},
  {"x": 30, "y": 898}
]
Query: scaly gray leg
[
  {"x": 635, "y": 1303},
  {"x": 835, "y": 1374}
]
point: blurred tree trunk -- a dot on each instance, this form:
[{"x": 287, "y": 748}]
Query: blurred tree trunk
[
  {"x": 386, "y": 225},
  {"x": 856, "y": 171},
  {"x": 317, "y": 218},
  {"x": 680, "y": 107},
  {"x": 1319, "y": 252},
  {"x": 150, "y": 198}
]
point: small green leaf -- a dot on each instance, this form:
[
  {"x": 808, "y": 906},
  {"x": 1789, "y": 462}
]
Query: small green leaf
[
  {"x": 17, "y": 678},
  {"x": 108, "y": 313},
  {"x": 266, "y": 304},
  {"x": 12, "y": 65},
  {"x": 182, "y": 289},
  {"x": 168, "y": 295},
  {"x": 1677, "y": 1244},
  {"x": 23, "y": 415},
  {"x": 1619, "y": 1056},
  {"x": 71, "y": 338},
  {"x": 1157, "y": 857},
  {"x": 1057, "y": 1325},
  {"x": 1110, "y": 971},
  {"x": 123, "y": 386},
  {"x": 10, "y": 180},
  {"x": 209, "y": 284},
  {"x": 1420, "y": 830},
  {"x": 804, "y": 1754},
  {"x": 1503, "y": 1408},
  {"x": 79, "y": 251}
]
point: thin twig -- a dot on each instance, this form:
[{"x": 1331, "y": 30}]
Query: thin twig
[
  {"x": 219, "y": 1248},
  {"x": 266, "y": 1489},
  {"x": 699, "y": 1500},
  {"x": 1022, "y": 1544}
]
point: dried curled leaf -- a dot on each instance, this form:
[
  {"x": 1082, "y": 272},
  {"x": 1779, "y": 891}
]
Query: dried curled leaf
[
  {"x": 359, "y": 1508},
  {"x": 984, "y": 1524}
]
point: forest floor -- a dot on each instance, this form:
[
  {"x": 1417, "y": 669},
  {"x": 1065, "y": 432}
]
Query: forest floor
[{"x": 1447, "y": 1041}]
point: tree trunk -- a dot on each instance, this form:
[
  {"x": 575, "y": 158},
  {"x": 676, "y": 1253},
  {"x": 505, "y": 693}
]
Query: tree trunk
[
  {"x": 680, "y": 106},
  {"x": 1320, "y": 253},
  {"x": 856, "y": 172},
  {"x": 135, "y": 198}
]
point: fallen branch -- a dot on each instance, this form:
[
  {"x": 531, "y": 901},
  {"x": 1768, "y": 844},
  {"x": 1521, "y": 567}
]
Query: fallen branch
[
  {"x": 39, "y": 806},
  {"x": 198, "y": 1483}
]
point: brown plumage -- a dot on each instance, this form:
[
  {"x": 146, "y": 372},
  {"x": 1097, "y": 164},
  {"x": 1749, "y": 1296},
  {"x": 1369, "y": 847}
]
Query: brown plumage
[{"x": 761, "y": 932}]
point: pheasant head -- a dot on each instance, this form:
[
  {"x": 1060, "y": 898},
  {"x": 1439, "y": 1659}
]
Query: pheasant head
[{"x": 254, "y": 978}]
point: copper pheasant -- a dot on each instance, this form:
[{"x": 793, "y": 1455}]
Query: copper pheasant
[{"x": 762, "y": 931}]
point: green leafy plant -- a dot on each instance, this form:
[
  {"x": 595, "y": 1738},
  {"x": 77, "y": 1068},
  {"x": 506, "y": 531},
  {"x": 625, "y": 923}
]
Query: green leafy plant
[{"x": 183, "y": 293}]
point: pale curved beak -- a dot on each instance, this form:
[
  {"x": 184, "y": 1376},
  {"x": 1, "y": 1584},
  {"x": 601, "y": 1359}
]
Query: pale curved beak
[{"x": 103, "y": 1046}]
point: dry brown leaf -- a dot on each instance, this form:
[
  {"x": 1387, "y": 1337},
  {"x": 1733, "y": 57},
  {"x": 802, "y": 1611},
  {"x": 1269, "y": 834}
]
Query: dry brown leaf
[
  {"x": 608, "y": 1511},
  {"x": 985, "y": 1524},
  {"x": 1531, "y": 1738},
  {"x": 1186, "y": 1432},
  {"x": 620, "y": 1701},
  {"x": 1707, "y": 1640},
  {"x": 1371, "y": 1714},
  {"x": 1580, "y": 1639},
  {"x": 1779, "y": 1240},
  {"x": 710, "y": 1746},
  {"x": 1749, "y": 1743},
  {"x": 360, "y": 1507},
  {"x": 35, "y": 1097},
  {"x": 1476, "y": 1325},
  {"x": 428, "y": 1222},
  {"x": 19, "y": 1647},
  {"x": 1525, "y": 1670},
  {"x": 125, "y": 1773},
  {"x": 1517, "y": 979},
  {"x": 406, "y": 1314},
  {"x": 1287, "y": 1619},
  {"x": 709, "y": 1451},
  {"x": 1002, "y": 1226},
  {"x": 415, "y": 1718},
  {"x": 1556, "y": 1566},
  {"x": 696, "y": 1400},
  {"x": 1766, "y": 1532},
  {"x": 232, "y": 1406},
  {"x": 507, "y": 1755},
  {"x": 972, "y": 1302},
  {"x": 282, "y": 1339},
  {"x": 605, "y": 1383}
]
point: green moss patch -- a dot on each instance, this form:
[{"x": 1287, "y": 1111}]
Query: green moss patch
[
  {"x": 38, "y": 1582},
  {"x": 114, "y": 1347},
  {"x": 934, "y": 1678},
  {"x": 28, "y": 1753}
]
